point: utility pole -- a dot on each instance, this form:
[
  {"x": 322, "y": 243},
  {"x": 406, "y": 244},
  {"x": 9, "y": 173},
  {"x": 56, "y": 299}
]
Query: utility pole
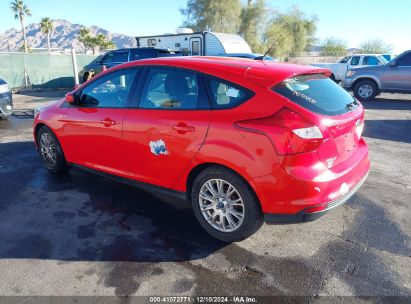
[{"x": 75, "y": 71}]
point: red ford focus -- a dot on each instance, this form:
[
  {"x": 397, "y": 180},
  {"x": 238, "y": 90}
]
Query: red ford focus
[{"x": 245, "y": 141}]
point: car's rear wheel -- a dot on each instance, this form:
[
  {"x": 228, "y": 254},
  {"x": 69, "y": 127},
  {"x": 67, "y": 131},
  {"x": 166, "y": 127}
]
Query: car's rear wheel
[
  {"x": 225, "y": 205},
  {"x": 365, "y": 90},
  {"x": 50, "y": 150}
]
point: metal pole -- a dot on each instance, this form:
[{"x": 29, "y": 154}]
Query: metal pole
[{"x": 73, "y": 57}]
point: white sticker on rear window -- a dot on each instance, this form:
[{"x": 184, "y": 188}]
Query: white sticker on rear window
[{"x": 309, "y": 99}]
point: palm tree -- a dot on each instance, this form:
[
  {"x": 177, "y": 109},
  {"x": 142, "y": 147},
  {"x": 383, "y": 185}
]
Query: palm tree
[
  {"x": 46, "y": 26},
  {"x": 21, "y": 10}
]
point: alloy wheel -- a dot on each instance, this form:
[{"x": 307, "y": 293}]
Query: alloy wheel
[
  {"x": 48, "y": 149},
  {"x": 221, "y": 205}
]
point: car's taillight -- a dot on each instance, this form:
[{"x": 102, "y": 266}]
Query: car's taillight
[
  {"x": 359, "y": 127},
  {"x": 287, "y": 130}
]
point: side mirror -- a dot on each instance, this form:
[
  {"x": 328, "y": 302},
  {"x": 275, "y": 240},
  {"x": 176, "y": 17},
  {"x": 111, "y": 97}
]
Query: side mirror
[
  {"x": 70, "y": 98},
  {"x": 392, "y": 64}
]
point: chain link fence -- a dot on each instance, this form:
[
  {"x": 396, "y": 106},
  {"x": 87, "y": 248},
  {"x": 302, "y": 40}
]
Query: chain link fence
[{"x": 40, "y": 71}]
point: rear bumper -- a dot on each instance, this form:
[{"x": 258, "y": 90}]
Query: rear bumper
[{"x": 305, "y": 216}]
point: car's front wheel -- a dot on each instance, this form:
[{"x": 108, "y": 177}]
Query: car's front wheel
[
  {"x": 225, "y": 205},
  {"x": 50, "y": 150},
  {"x": 365, "y": 90}
]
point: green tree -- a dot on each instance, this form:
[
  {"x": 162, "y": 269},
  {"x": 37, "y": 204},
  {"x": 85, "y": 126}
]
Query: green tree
[
  {"x": 85, "y": 38},
  {"x": 333, "y": 46},
  {"x": 290, "y": 33},
  {"x": 46, "y": 26},
  {"x": 103, "y": 43},
  {"x": 253, "y": 17},
  {"x": 21, "y": 48},
  {"x": 94, "y": 43},
  {"x": 375, "y": 46},
  {"x": 20, "y": 11},
  {"x": 213, "y": 15}
]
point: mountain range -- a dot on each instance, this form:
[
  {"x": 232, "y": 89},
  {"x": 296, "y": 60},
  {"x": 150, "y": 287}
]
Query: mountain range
[{"x": 64, "y": 36}]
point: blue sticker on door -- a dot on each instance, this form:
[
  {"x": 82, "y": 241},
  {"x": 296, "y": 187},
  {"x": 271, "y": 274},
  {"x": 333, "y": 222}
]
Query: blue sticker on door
[{"x": 158, "y": 147}]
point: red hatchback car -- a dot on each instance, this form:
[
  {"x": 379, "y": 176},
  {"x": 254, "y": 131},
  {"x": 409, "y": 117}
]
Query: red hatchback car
[{"x": 246, "y": 141}]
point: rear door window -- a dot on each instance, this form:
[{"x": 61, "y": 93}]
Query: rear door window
[
  {"x": 371, "y": 60},
  {"x": 173, "y": 89},
  {"x": 317, "y": 93}
]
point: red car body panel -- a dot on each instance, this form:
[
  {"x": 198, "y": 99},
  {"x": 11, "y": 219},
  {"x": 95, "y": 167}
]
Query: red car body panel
[
  {"x": 284, "y": 184},
  {"x": 141, "y": 126},
  {"x": 87, "y": 140}
]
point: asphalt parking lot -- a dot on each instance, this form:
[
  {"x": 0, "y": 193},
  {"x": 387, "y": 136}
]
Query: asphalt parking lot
[{"x": 80, "y": 234}]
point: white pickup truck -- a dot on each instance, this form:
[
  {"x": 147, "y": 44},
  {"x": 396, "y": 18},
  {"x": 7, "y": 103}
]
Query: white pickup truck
[{"x": 340, "y": 68}]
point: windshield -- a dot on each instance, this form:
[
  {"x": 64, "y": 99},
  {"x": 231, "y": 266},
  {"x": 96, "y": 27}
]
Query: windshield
[
  {"x": 345, "y": 59},
  {"x": 317, "y": 93}
]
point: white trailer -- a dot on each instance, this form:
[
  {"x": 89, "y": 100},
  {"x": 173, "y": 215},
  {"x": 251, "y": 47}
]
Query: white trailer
[{"x": 199, "y": 43}]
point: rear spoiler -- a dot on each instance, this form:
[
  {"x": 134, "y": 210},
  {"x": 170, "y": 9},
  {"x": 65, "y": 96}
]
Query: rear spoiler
[{"x": 259, "y": 76}]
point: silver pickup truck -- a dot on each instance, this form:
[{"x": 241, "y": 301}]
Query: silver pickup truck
[
  {"x": 340, "y": 68},
  {"x": 368, "y": 82}
]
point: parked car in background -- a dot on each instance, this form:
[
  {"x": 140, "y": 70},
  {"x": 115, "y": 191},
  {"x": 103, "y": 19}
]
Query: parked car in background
[
  {"x": 338, "y": 70},
  {"x": 6, "y": 100},
  {"x": 389, "y": 57},
  {"x": 250, "y": 56},
  {"x": 393, "y": 77},
  {"x": 116, "y": 57}
]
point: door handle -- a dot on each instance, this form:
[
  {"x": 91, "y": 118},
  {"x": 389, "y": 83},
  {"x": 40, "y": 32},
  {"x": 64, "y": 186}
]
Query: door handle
[
  {"x": 108, "y": 122},
  {"x": 182, "y": 128}
]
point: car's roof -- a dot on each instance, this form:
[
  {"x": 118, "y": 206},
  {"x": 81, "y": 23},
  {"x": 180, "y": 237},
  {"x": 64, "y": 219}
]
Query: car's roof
[{"x": 262, "y": 72}]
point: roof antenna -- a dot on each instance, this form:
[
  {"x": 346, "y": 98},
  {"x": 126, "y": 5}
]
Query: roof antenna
[
  {"x": 265, "y": 54},
  {"x": 269, "y": 49}
]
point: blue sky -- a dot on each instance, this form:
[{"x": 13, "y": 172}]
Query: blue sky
[{"x": 350, "y": 20}]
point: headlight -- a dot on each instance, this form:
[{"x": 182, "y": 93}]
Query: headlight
[
  {"x": 350, "y": 73},
  {"x": 4, "y": 88}
]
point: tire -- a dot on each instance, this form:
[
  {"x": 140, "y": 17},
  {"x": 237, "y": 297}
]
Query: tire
[
  {"x": 48, "y": 145},
  {"x": 365, "y": 90},
  {"x": 332, "y": 77},
  {"x": 242, "y": 201}
]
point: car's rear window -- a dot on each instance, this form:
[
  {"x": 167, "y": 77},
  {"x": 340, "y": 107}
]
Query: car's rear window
[{"x": 317, "y": 93}]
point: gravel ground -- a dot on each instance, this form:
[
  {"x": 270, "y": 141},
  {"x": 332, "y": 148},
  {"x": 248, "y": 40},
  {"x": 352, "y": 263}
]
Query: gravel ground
[{"x": 84, "y": 235}]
